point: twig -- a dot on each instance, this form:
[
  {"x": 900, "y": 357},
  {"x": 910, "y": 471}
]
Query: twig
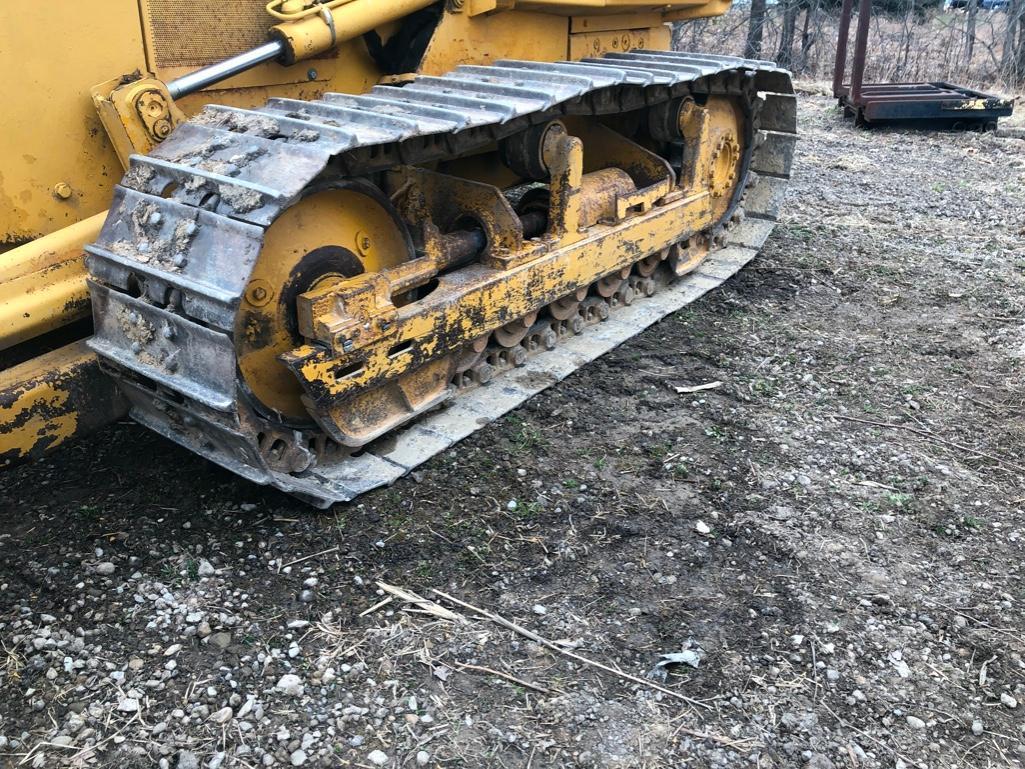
[
  {"x": 426, "y": 605},
  {"x": 500, "y": 674},
  {"x": 742, "y": 744},
  {"x": 698, "y": 388},
  {"x": 376, "y": 606},
  {"x": 556, "y": 648},
  {"x": 307, "y": 557},
  {"x": 934, "y": 437}
]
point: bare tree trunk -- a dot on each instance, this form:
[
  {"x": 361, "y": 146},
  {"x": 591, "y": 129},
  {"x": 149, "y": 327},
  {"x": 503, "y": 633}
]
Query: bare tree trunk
[
  {"x": 1008, "y": 52},
  {"x": 753, "y": 47},
  {"x": 1019, "y": 75},
  {"x": 807, "y": 39},
  {"x": 969, "y": 35},
  {"x": 785, "y": 54}
]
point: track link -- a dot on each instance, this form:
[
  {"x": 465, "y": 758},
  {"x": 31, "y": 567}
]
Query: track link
[{"x": 187, "y": 222}]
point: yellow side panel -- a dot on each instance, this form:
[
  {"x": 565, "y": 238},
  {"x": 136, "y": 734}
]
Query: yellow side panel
[
  {"x": 464, "y": 39},
  {"x": 50, "y": 54}
]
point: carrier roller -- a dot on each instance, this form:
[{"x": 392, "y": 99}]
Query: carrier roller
[{"x": 322, "y": 295}]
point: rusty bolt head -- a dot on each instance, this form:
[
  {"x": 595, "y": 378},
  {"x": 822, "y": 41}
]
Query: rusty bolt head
[
  {"x": 62, "y": 190},
  {"x": 363, "y": 243},
  {"x": 259, "y": 292},
  {"x": 162, "y": 128}
]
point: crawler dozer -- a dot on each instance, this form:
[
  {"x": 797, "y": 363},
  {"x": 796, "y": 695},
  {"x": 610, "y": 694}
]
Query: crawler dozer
[{"x": 319, "y": 242}]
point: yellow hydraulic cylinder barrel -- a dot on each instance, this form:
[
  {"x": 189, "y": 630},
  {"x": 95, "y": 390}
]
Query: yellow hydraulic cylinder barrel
[
  {"x": 337, "y": 22},
  {"x": 42, "y": 283}
]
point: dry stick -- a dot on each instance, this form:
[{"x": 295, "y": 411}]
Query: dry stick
[
  {"x": 934, "y": 437},
  {"x": 556, "y": 648},
  {"x": 500, "y": 674},
  {"x": 308, "y": 557}
]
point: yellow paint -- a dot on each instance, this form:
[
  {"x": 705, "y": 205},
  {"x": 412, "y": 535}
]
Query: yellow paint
[
  {"x": 42, "y": 283},
  {"x": 464, "y": 39},
  {"x": 51, "y": 53},
  {"x": 344, "y": 218},
  {"x": 652, "y": 220},
  {"x": 51, "y": 399}
]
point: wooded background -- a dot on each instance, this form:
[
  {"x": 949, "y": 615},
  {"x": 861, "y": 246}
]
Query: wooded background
[{"x": 910, "y": 40}]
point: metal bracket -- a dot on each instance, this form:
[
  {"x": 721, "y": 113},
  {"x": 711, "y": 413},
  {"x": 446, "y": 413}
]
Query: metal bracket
[{"x": 137, "y": 115}]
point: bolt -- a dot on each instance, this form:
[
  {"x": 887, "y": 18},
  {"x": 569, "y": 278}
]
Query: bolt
[
  {"x": 161, "y": 129},
  {"x": 62, "y": 190},
  {"x": 311, "y": 74},
  {"x": 136, "y": 347},
  {"x": 259, "y": 293},
  {"x": 168, "y": 332}
]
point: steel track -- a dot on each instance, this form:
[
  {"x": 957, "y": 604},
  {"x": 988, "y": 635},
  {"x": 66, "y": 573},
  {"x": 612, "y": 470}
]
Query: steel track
[{"x": 186, "y": 227}]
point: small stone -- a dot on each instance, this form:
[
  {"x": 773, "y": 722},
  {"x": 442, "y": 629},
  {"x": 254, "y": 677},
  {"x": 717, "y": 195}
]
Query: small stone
[
  {"x": 291, "y": 685},
  {"x": 128, "y": 705},
  {"x": 187, "y": 760},
  {"x": 915, "y": 722},
  {"x": 978, "y": 727},
  {"x": 511, "y": 505},
  {"x": 221, "y": 640},
  {"x": 539, "y": 610},
  {"x": 1008, "y": 700},
  {"x": 203, "y": 629},
  {"x": 423, "y": 758},
  {"x": 819, "y": 761},
  {"x": 298, "y": 757},
  {"x": 378, "y": 758},
  {"x": 702, "y": 528},
  {"x": 105, "y": 569},
  {"x": 206, "y": 569},
  {"x": 173, "y": 649},
  {"x": 306, "y": 596},
  {"x": 222, "y": 716},
  {"x": 63, "y": 740}
]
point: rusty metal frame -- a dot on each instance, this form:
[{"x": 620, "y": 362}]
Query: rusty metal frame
[{"x": 934, "y": 103}]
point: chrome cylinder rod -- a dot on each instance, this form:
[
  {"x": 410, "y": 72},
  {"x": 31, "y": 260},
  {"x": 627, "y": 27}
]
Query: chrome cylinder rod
[{"x": 215, "y": 73}]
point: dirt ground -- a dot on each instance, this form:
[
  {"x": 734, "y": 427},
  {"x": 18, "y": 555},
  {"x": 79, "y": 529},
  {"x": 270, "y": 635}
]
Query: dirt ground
[{"x": 834, "y": 533}]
